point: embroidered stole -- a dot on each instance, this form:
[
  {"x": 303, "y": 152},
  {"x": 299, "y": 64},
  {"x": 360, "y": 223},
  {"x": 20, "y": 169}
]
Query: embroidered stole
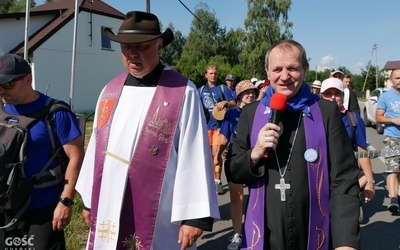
[
  {"x": 149, "y": 161},
  {"x": 318, "y": 180}
]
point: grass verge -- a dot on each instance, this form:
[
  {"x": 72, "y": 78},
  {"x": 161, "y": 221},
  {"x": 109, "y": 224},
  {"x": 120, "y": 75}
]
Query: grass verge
[{"x": 77, "y": 231}]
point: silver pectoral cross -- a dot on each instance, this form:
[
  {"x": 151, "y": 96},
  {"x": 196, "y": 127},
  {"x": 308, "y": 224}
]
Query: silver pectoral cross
[{"x": 282, "y": 186}]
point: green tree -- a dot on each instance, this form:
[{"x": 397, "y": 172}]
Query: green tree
[
  {"x": 266, "y": 23},
  {"x": 172, "y": 53},
  {"x": 203, "y": 43},
  {"x": 205, "y": 34},
  {"x": 370, "y": 80},
  {"x": 233, "y": 44},
  {"x": 14, "y": 6}
]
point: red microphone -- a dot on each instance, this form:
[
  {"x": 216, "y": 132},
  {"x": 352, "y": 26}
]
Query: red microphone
[{"x": 278, "y": 105}]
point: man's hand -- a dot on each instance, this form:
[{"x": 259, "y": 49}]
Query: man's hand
[
  {"x": 86, "y": 216},
  {"x": 188, "y": 236},
  {"x": 369, "y": 192},
  {"x": 61, "y": 217},
  {"x": 221, "y": 105}
]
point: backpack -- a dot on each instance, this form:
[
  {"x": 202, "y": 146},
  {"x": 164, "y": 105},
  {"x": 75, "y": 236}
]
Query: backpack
[{"x": 15, "y": 186}]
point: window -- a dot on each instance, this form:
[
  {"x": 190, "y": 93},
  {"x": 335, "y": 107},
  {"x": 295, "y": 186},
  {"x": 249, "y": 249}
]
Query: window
[{"x": 105, "y": 42}]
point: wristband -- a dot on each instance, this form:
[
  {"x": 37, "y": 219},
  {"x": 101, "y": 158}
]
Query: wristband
[{"x": 371, "y": 182}]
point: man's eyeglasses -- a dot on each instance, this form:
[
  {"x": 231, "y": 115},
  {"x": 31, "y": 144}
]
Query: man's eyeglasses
[{"x": 9, "y": 85}]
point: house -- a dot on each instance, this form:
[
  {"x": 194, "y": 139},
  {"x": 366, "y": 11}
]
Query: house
[
  {"x": 389, "y": 67},
  {"x": 50, "y": 48}
]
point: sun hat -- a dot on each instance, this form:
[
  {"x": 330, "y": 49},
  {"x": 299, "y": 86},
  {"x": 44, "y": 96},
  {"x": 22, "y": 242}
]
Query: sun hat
[
  {"x": 11, "y": 66},
  {"x": 316, "y": 84},
  {"x": 243, "y": 86},
  {"x": 336, "y": 70},
  {"x": 230, "y": 77},
  {"x": 140, "y": 27},
  {"x": 332, "y": 83}
]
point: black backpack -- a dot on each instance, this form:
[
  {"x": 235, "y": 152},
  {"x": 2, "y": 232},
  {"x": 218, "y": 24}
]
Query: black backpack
[{"x": 15, "y": 187}]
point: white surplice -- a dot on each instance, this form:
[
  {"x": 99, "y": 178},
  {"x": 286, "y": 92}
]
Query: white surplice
[{"x": 188, "y": 190}]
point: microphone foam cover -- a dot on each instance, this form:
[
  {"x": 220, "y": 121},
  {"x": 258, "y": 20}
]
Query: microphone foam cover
[{"x": 278, "y": 102}]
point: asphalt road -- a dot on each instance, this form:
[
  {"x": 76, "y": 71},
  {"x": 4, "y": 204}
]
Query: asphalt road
[{"x": 380, "y": 229}]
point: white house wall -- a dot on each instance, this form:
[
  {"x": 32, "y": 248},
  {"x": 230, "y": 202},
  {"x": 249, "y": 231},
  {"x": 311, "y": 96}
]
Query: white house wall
[
  {"x": 13, "y": 31},
  {"x": 94, "y": 67}
]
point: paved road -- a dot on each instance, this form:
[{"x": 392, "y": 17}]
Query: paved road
[{"x": 380, "y": 229}]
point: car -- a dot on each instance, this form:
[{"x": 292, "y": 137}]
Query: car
[{"x": 369, "y": 110}]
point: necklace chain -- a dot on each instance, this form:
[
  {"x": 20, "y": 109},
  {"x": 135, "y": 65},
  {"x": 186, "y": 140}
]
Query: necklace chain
[{"x": 290, "y": 153}]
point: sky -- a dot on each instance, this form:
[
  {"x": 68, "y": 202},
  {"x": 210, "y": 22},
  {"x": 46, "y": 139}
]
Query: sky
[{"x": 334, "y": 33}]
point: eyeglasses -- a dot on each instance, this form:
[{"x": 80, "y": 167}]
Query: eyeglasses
[{"x": 9, "y": 85}]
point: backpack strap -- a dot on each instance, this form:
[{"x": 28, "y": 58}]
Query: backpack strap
[
  {"x": 18, "y": 215},
  {"x": 353, "y": 123},
  {"x": 53, "y": 176},
  {"x": 221, "y": 92}
]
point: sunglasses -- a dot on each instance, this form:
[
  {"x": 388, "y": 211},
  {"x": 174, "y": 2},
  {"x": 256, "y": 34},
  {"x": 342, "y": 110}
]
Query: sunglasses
[{"x": 9, "y": 85}]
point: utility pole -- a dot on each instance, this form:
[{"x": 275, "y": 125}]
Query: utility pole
[
  {"x": 27, "y": 20},
  {"x": 369, "y": 66},
  {"x": 376, "y": 67},
  {"x": 148, "y": 6}
]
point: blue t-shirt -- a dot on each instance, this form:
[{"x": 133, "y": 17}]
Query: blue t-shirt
[
  {"x": 233, "y": 93},
  {"x": 38, "y": 148},
  {"x": 229, "y": 124},
  {"x": 359, "y": 138},
  {"x": 390, "y": 102},
  {"x": 210, "y": 97}
]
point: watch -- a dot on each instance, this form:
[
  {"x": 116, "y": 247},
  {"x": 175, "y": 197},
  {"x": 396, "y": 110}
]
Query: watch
[
  {"x": 67, "y": 201},
  {"x": 371, "y": 182}
]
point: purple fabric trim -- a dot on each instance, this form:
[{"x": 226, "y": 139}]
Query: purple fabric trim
[
  {"x": 253, "y": 233},
  {"x": 318, "y": 181},
  {"x": 148, "y": 164},
  {"x": 146, "y": 174},
  {"x": 112, "y": 91}
]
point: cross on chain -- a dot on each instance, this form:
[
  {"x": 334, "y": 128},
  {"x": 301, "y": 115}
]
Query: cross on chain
[{"x": 282, "y": 186}]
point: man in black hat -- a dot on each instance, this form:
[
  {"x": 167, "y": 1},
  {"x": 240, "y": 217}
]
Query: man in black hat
[
  {"x": 50, "y": 209},
  {"x": 146, "y": 180}
]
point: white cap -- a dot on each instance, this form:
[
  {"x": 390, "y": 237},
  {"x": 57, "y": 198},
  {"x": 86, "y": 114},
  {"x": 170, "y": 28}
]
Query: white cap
[
  {"x": 258, "y": 83},
  {"x": 332, "y": 83},
  {"x": 254, "y": 80},
  {"x": 316, "y": 84}
]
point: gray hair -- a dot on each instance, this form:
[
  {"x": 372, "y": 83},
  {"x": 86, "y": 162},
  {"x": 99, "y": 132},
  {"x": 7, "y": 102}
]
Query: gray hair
[{"x": 288, "y": 45}]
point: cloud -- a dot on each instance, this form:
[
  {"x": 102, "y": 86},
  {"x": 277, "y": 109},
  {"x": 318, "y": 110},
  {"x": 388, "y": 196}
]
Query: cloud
[
  {"x": 326, "y": 62},
  {"x": 359, "y": 65}
]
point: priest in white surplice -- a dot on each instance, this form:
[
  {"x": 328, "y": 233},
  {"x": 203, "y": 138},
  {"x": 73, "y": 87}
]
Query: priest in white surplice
[{"x": 146, "y": 181}]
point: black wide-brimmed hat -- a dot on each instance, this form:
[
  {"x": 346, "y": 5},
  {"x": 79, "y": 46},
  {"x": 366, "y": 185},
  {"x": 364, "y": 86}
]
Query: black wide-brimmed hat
[{"x": 140, "y": 27}]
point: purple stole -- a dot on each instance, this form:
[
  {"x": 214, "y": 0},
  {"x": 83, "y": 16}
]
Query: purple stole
[
  {"x": 149, "y": 161},
  {"x": 318, "y": 181}
]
